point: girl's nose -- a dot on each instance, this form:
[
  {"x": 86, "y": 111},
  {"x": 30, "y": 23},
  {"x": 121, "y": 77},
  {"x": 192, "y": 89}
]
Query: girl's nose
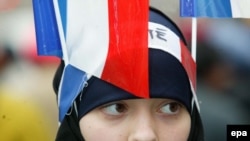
[{"x": 143, "y": 129}]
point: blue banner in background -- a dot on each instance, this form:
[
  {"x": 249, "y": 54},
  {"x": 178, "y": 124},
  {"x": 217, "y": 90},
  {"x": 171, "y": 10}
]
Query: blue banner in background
[
  {"x": 205, "y": 8},
  {"x": 187, "y": 8}
]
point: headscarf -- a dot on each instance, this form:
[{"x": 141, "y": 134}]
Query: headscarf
[{"x": 168, "y": 78}]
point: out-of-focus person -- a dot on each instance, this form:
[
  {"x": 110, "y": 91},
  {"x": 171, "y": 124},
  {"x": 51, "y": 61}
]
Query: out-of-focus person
[
  {"x": 21, "y": 119},
  {"x": 222, "y": 77}
]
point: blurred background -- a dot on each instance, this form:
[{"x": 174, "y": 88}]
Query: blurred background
[{"x": 28, "y": 108}]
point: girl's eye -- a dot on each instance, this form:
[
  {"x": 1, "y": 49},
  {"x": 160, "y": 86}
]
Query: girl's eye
[
  {"x": 170, "y": 108},
  {"x": 115, "y": 109}
]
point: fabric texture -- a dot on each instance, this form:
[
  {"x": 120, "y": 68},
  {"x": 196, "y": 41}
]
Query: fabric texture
[{"x": 173, "y": 84}]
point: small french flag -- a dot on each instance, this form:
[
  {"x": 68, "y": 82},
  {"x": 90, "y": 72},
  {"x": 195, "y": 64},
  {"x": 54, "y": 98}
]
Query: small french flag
[
  {"x": 215, "y": 8},
  {"x": 95, "y": 37},
  {"x": 171, "y": 43}
]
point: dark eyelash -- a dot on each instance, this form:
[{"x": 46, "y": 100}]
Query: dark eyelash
[{"x": 112, "y": 103}]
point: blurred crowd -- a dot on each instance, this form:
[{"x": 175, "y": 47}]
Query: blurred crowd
[
  {"x": 28, "y": 108},
  {"x": 223, "y": 73},
  {"x": 223, "y": 69}
]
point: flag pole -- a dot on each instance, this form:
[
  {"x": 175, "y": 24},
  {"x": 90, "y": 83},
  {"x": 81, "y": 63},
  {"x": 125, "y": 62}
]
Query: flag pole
[
  {"x": 61, "y": 34},
  {"x": 194, "y": 38},
  {"x": 64, "y": 51},
  {"x": 193, "y": 50}
]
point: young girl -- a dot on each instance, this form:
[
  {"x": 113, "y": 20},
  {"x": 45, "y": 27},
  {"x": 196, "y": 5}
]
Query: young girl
[{"x": 105, "y": 112}]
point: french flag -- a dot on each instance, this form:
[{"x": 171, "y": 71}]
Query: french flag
[
  {"x": 175, "y": 47},
  {"x": 95, "y": 37},
  {"x": 215, "y": 8}
]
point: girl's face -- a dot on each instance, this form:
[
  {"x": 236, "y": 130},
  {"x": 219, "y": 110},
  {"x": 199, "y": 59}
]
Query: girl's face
[{"x": 137, "y": 120}]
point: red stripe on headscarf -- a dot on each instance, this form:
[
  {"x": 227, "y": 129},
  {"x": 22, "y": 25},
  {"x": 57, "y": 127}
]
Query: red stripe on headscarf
[
  {"x": 188, "y": 63},
  {"x": 127, "y": 60}
]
